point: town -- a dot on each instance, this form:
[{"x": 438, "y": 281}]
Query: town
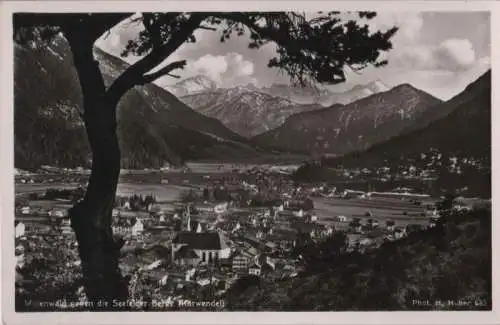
[{"x": 220, "y": 228}]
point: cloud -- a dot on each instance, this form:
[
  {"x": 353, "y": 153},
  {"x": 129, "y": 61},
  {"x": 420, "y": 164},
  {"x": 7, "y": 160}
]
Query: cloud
[
  {"x": 455, "y": 54},
  {"x": 210, "y": 66},
  {"x": 409, "y": 25},
  {"x": 227, "y": 70},
  {"x": 451, "y": 54},
  {"x": 429, "y": 50},
  {"x": 442, "y": 83}
]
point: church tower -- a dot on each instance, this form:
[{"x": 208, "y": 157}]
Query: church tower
[{"x": 187, "y": 219}]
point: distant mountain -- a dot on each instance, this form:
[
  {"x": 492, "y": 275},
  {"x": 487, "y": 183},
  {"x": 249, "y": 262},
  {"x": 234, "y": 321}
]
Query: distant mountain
[
  {"x": 340, "y": 129},
  {"x": 244, "y": 109},
  {"x": 251, "y": 110},
  {"x": 154, "y": 127},
  {"x": 464, "y": 132},
  {"x": 306, "y": 94},
  {"x": 357, "y": 92},
  {"x": 193, "y": 85},
  {"x": 320, "y": 95},
  {"x": 456, "y": 146}
]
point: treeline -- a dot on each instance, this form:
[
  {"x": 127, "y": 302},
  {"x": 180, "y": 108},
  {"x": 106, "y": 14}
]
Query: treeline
[
  {"x": 73, "y": 195},
  {"x": 135, "y": 202}
]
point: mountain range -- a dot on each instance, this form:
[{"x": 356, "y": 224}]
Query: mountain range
[
  {"x": 464, "y": 132},
  {"x": 453, "y": 140},
  {"x": 154, "y": 127},
  {"x": 339, "y": 129},
  {"x": 309, "y": 94},
  {"x": 244, "y": 110},
  {"x": 250, "y": 110}
]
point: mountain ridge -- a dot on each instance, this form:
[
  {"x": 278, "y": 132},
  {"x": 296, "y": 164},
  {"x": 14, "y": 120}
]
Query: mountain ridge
[
  {"x": 154, "y": 126},
  {"x": 339, "y": 129},
  {"x": 245, "y": 111},
  {"x": 456, "y": 148}
]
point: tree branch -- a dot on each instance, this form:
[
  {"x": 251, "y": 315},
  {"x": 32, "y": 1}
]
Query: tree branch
[
  {"x": 147, "y": 21},
  {"x": 147, "y": 78},
  {"x": 134, "y": 74},
  {"x": 264, "y": 32},
  {"x": 207, "y": 28}
]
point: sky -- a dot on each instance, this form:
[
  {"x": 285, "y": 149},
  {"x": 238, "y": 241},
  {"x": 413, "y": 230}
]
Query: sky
[{"x": 438, "y": 52}]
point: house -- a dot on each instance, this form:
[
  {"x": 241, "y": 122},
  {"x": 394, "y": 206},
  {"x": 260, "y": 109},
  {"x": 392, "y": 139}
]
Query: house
[
  {"x": 373, "y": 223},
  {"x": 341, "y": 219},
  {"x": 19, "y": 251},
  {"x": 313, "y": 229},
  {"x": 433, "y": 213},
  {"x": 311, "y": 218},
  {"x": 20, "y": 261},
  {"x": 20, "y": 229},
  {"x": 328, "y": 230},
  {"x": 365, "y": 241},
  {"x": 221, "y": 208},
  {"x": 356, "y": 227},
  {"x": 190, "y": 274},
  {"x": 205, "y": 207},
  {"x": 128, "y": 226},
  {"x": 241, "y": 261},
  {"x": 261, "y": 265},
  {"x": 254, "y": 269},
  {"x": 203, "y": 247},
  {"x": 186, "y": 256},
  {"x": 399, "y": 233},
  {"x": 298, "y": 212},
  {"x": 353, "y": 240},
  {"x": 126, "y": 205},
  {"x": 390, "y": 225},
  {"x": 265, "y": 260},
  {"x": 271, "y": 246},
  {"x": 237, "y": 227},
  {"x": 58, "y": 213},
  {"x": 279, "y": 208},
  {"x": 25, "y": 210},
  {"x": 137, "y": 227}
]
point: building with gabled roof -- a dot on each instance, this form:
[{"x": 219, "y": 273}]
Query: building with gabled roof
[
  {"x": 208, "y": 247},
  {"x": 20, "y": 229}
]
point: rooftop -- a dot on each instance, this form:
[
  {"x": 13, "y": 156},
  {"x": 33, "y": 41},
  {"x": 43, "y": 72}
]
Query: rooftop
[{"x": 204, "y": 240}]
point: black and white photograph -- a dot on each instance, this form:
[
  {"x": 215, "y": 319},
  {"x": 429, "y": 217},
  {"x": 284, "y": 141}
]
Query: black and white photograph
[{"x": 258, "y": 161}]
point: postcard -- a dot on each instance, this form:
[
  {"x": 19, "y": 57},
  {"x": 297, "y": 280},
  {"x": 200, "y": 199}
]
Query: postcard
[{"x": 248, "y": 162}]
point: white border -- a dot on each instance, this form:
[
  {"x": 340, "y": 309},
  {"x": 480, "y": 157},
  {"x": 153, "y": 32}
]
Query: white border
[{"x": 7, "y": 184}]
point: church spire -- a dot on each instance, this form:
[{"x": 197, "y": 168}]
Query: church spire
[{"x": 188, "y": 218}]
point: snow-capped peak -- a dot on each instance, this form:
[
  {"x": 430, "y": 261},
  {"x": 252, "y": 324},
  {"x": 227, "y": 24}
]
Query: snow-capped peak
[
  {"x": 193, "y": 85},
  {"x": 377, "y": 86}
]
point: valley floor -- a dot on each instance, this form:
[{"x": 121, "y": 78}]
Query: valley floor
[{"x": 268, "y": 222}]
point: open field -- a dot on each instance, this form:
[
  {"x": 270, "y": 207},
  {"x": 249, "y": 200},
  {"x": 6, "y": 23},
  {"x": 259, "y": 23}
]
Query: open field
[
  {"x": 38, "y": 188},
  {"x": 163, "y": 192},
  {"x": 382, "y": 209}
]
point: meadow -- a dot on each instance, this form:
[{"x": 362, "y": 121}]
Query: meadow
[{"x": 382, "y": 209}]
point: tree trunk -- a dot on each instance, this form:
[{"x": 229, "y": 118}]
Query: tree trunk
[{"x": 91, "y": 217}]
